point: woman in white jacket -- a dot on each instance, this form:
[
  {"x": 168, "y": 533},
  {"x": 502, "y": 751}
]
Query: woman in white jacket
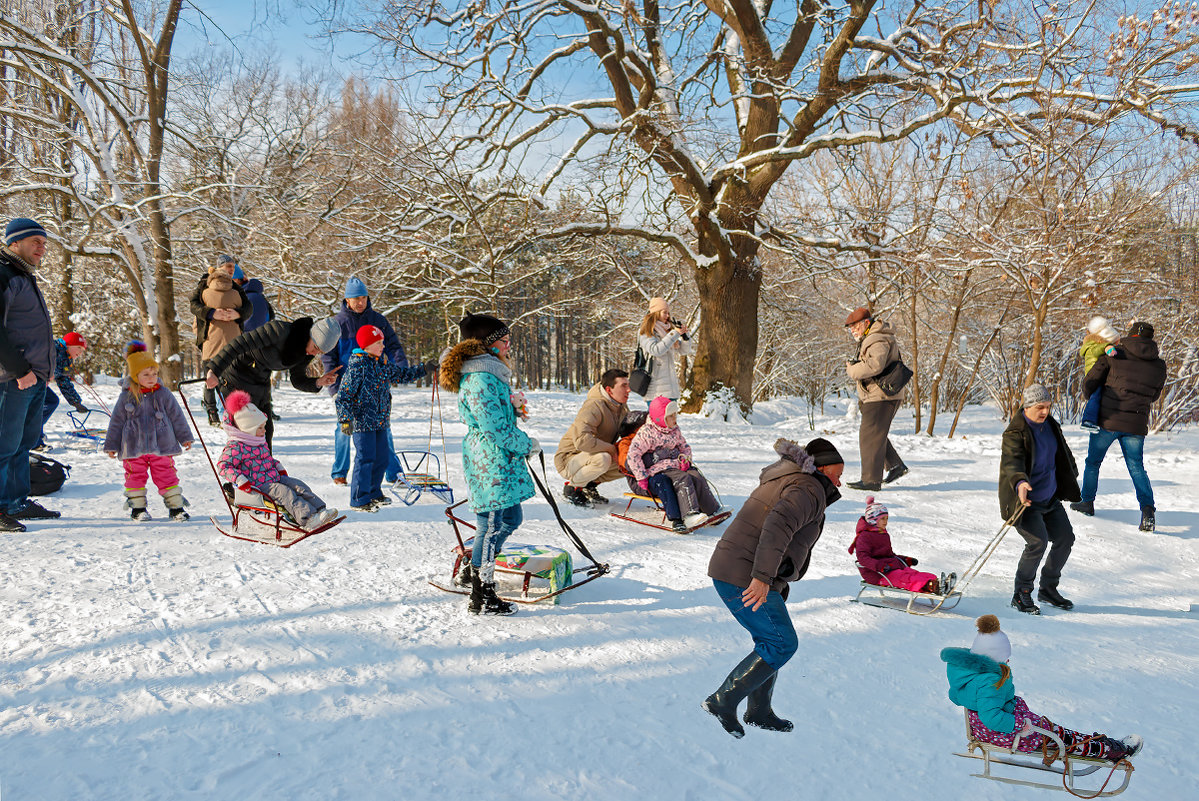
[{"x": 662, "y": 341}]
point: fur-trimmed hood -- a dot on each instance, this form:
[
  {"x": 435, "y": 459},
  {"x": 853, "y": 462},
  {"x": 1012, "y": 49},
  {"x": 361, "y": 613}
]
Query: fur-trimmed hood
[
  {"x": 470, "y": 356},
  {"x": 792, "y": 451},
  {"x": 966, "y": 659}
]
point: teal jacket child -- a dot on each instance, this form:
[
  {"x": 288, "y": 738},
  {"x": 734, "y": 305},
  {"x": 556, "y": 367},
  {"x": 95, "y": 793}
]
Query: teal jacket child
[{"x": 972, "y": 679}]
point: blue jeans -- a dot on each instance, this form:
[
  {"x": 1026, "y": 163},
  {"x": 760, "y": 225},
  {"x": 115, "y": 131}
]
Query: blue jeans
[
  {"x": 774, "y": 635},
  {"x": 49, "y": 404},
  {"x": 1090, "y": 412},
  {"x": 491, "y": 530},
  {"x": 341, "y": 456},
  {"x": 370, "y": 461},
  {"x": 1133, "y": 447},
  {"x": 20, "y": 428}
]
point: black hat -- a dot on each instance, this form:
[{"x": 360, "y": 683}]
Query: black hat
[
  {"x": 483, "y": 327},
  {"x": 1140, "y": 329},
  {"x": 823, "y": 452}
]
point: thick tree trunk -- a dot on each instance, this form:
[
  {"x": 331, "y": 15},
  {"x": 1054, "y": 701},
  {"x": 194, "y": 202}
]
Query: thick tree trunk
[{"x": 727, "y": 340}]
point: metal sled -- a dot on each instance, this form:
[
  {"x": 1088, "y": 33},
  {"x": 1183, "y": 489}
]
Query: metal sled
[
  {"x": 462, "y": 551},
  {"x": 420, "y": 472},
  {"x": 656, "y": 517},
  {"x": 257, "y": 518},
  {"x": 1070, "y": 769},
  {"x": 80, "y": 428},
  {"x": 914, "y": 603}
]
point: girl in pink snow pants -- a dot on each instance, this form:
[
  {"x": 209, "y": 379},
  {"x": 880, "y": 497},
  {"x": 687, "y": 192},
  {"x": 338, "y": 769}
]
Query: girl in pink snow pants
[{"x": 880, "y": 565}]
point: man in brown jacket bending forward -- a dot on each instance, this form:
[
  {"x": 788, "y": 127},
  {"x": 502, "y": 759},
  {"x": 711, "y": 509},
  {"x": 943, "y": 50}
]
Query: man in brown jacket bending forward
[
  {"x": 877, "y": 349},
  {"x": 768, "y": 545},
  {"x": 587, "y": 453}
]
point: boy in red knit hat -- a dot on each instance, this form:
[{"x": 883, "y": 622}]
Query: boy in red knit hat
[
  {"x": 67, "y": 349},
  {"x": 364, "y": 413}
]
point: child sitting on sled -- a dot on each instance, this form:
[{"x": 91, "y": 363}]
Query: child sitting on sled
[
  {"x": 146, "y": 432},
  {"x": 246, "y": 462},
  {"x": 659, "y": 457},
  {"x": 880, "y": 565},
  {"x": 364, "y": 413},
  {"x": 981, "y": 681}
]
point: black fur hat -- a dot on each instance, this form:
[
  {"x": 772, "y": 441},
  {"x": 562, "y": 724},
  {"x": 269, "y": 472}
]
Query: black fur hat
[
  {"x": 483, "y": 327},
  {"x": 823, "y": 452}
]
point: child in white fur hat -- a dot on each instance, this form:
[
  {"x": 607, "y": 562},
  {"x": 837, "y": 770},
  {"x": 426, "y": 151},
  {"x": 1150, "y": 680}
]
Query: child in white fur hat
[
  {"x": 246, "y": 462},
  {"x": 981, "y": 681},
  {"x": 1101, "y": 338}
]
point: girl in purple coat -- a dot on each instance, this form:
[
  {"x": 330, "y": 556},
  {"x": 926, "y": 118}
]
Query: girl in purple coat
[
  {"x": 880, "y": 565},
  {"x": 659, "y": 449},
  {"x": 247, "y": 462}
]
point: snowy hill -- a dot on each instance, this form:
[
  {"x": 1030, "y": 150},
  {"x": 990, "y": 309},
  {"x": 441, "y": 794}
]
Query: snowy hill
[{"x": 164, "y": 661}]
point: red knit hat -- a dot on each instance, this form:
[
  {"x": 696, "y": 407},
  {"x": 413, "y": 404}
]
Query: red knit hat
[
  {"x": 73, "y": 340},
  {"x": 368, "y": 335}
]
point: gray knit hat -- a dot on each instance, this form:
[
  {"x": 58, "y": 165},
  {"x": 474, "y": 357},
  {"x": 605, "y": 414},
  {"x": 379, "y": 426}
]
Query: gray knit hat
[
  {"x": 325, "y": 333},
  {"x": 1034, "y": 394}
]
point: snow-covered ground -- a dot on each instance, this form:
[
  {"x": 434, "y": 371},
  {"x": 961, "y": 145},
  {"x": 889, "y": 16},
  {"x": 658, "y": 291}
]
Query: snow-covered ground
[{"x": 161, "y": 661}]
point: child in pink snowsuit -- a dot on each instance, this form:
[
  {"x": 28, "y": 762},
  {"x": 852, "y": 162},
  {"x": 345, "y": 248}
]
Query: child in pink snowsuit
[
  {"x": 246, "y": 462},
  {"x": 146, "y": 431},
  {"x": 880, "y": 565},
  {"x": 660, "y": 449}
]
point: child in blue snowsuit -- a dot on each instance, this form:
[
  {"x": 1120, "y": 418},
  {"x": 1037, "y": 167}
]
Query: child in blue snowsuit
[
  {"x": 364, "y": 413},
  {"x": 67, "y": 349}
]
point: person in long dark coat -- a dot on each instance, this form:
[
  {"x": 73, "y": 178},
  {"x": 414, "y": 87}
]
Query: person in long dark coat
[{"x": 767, "y": 546}]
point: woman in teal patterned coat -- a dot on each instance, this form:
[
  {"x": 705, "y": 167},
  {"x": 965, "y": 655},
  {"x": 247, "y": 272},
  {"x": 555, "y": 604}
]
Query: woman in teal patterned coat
[{"x": 494, "y": 450}]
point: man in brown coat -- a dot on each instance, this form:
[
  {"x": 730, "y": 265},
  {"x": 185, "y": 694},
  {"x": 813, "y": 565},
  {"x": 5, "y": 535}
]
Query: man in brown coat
[
  {"x": 877, "y": 349},
  {"x": 586, "y": 455},
  {"x": 767, "y": 546}
]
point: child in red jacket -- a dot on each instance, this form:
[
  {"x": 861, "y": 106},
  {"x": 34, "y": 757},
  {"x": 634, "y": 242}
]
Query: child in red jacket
[{"x": 880, "y": 565}]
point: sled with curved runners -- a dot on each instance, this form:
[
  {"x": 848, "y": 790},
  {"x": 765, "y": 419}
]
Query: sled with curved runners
[
  {"x": 80, "y": 428},
  {"x": 420, "y": 472},
  {"x": 910, "y": 601},
  {"x": 1070, "y": 769},
  {"x": 256, "y": 518},
  {"x": 656, "y": 516}
]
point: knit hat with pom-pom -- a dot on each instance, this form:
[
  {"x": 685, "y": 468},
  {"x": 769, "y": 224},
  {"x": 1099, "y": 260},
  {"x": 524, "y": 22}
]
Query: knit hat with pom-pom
[
  {"x": 1097, "y": 324},
  {"x": 990, "y": 641},
  {"x": 138, "y": 358},
  {"x": 874, "y": 510},
  {"x": 246, "y": 416},
  {"x": 368, "y": 335}
]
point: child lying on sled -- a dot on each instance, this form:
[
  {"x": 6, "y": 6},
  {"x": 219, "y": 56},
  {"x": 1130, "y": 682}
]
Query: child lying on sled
[
  {"x": 659, "y": 457},
  {"x": 246, "y": 462},
  {"x": 880, "y": 565}
]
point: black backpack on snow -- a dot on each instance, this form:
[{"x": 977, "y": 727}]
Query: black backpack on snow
[{"x": 46, "y": 475}]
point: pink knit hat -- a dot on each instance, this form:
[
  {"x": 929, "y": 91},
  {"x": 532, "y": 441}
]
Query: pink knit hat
[
  {"x": 658, "y": 305},
  {"x": 874, "y": 510},
  {"x": 660, "y": 408}
]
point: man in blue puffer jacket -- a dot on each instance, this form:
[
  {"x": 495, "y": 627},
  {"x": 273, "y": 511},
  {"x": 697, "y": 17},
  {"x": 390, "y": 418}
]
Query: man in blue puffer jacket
[{"x": 355, "y": 313}]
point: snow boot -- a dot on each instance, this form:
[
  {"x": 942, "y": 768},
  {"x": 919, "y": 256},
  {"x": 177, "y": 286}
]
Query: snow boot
[
  {"x": 1148, "y": 521},
  {"x": 1022, "y": 601},
  {"x": 1132, "y": 744},
  {"x": 758, "y": 712},
  {"x": 1051, "y": 596},
  {"x": 494, "y": 604},
  {"x": 695, "y": 519},
  {"x": 140, "y": 514},
  {"x": 465, "y": 571},
  {"x": 574, "y": 495},
  {"x": 592, "y": 494},
  {"x": 1084, "y": 508},
  {"x": 135, "y": 499},
  {"x": 172, "y": 498},
  {"x": 746, "y": 677},
  {"x": 179, "y": 515},
  {"x": 475, "y": 605},
  {"x": 947, "y": 583},
  {"x": 896, "y": 473},
  {"x": 678, "y": 526},
  {"x": 214, "y": 419}
]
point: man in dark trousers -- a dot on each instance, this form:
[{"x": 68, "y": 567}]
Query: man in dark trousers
[
  {"x": 1037, "y": 472},
  {"x": 1131, "y": 380},
  {"x": 877, "y": 349},
  {"x": 26, "y": 364}
]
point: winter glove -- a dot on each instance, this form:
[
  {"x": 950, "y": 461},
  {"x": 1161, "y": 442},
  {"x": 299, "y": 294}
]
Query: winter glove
[
  {"x": 887, "y": 569},
  {"x": 347, "y": 427},
  {"x": 684, "y": 465},
  {"x": 79, "y": 407},
  {"x": 431, "y": 367},
  {"x": 1110, "y": 350},
  {"x": 911, "y": 560},
  {"x": 534, "y": 446},
  {"x": 644, "y": 484}
]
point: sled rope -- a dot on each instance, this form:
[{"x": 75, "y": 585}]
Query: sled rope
[
  {"x": 436, "y": 402},
  {"x": 977, "y": 565},
  {"x": 96, "y": 395},
  {"x": 566, "y": 529},
  {"x": 1115, "y": 765}
]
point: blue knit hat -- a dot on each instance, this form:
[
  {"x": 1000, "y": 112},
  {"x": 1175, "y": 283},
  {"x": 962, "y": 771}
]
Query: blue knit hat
[
  {"x": 238, "y": 275},
  {"x": 355, "y": 288},
  {"x": 21, "y": 228}
]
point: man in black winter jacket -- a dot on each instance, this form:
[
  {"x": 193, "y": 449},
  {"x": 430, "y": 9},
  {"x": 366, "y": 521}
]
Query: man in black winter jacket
[
  {"x": 26, "y": 364},
  {"x": 247, "y": 362},
  {"x": 1131, "y": 381}
]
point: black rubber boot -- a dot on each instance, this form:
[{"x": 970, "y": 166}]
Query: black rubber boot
[
  {"x": 475, "y": 605},
  {"x": 1148, "y": 518},
  {"x": 494, "y": 604},
  {"x": 465, "y": 571},
  {"x": 758, "y": 712},
  {"x": 746, "y": 677},
  {"x": 214, "y": 419}
]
